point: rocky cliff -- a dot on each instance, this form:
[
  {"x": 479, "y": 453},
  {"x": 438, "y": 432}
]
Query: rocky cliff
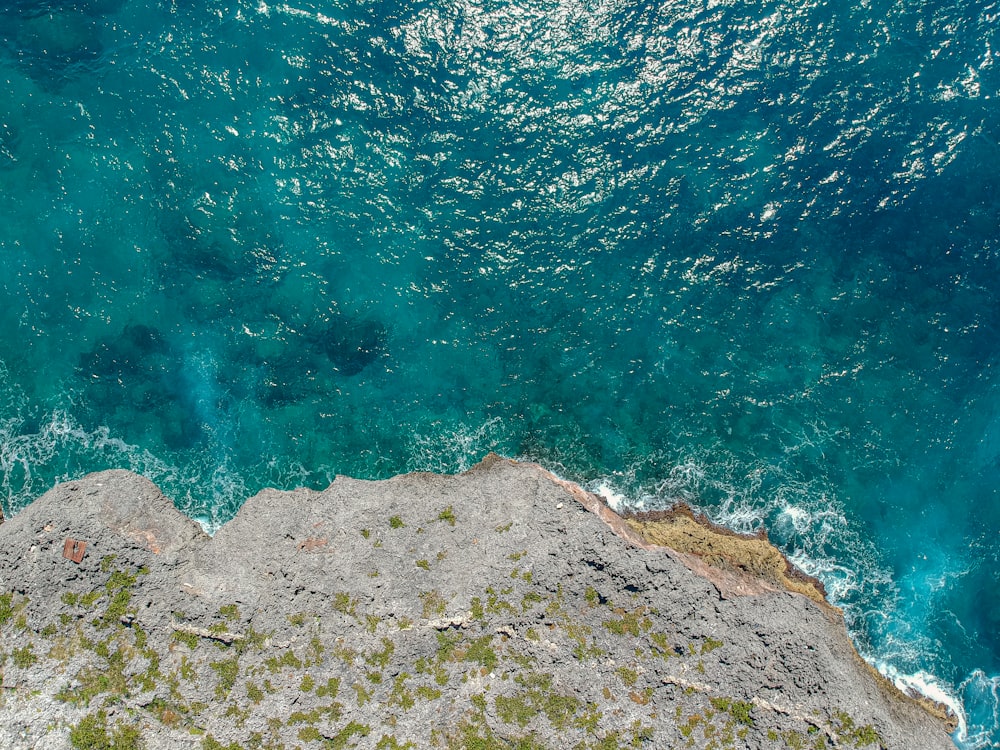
[{"x": 502, "y": 608}]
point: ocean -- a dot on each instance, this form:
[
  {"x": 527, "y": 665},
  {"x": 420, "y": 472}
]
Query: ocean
[{"x": 742, "y": 254}]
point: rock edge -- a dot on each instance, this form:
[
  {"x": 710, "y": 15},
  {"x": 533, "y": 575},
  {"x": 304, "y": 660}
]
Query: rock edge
[{"x": 503, "y": 607}]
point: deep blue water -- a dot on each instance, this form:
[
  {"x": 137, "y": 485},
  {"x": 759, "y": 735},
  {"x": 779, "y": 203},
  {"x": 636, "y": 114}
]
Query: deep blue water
[{"x": 745, "y": 254}]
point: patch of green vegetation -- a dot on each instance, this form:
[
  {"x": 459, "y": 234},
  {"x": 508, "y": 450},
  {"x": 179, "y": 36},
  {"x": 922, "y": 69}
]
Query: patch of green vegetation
[
  {"x": 515, "y": 556},
  {"x": 433, "y": 604},
  {"x": 495, "y": 605},
  {"x": 188, "y": 639},
  {"x": 307, "y": 684},
  {"x": 428, "y": 693},
  {"x": 363, "y": 696},
  {"x": 298, "y": 619},
  {"x": 435, "y": 668},
  {"x": 330, "y": 689},
  {"x": 628, "y": 676},
  {"x": 287, "y": 659},
  {"x": 629, "y": 623},
  {"x": 228, "y": 670},
  {"x": 68, "y": 598},
  {"x": 251, "y": 639},
  {"x": 710, "y": 645},
  {"x": 479, "y": 651},
  {"x": 395, "y": 522},
  {"x": 110, "y": 679},
  {"x": 847, "y": 729},
  {"x": 89, "y": 599},
  {"x": 530, "y": 599},
  {"x": 589, "y": 719},
  {"x": 687, "y": 729},
  {"x": 331, "y": 713},
  {"x": 119, "y": 590},
  {"x": 239, "y": 715},
  {"x": 209, "y": 742},
  {"x": 423, "y": 564},
  {"x": 381, "y": 658},
  {"x": 388, "y": 742},
  {"x": 345, "y": 654},
  {"x": 661, "y": 646},
  {"x": 107, "y": 561},
  {"x": 504, "y": 528},
  {"x": 478, "y": 613},
  {"x": 537, "y": 697},
  {"x": 372, "y": 622},
  {"x": 24, "y": 657},
  {"x": 447, "y": 515},
  {"x": 584, "y": 650},
  {"x": 186, "y": 669},
  {"x": 6, "y": 608},
  {"x": 343, "y": 603},
  {"x": 310, "y": 734},
  {"x": 315, "y": 651},
  {"x": 230, "y": 612},
  {"x": 739, "y": 710},
  {"x": 401, "y": 695},
  {"x": 254, "y": 693},
  {"x": 353, "y": 729},
  {"x": 794, "y": 740},
  {"x": 91, "y": 733},
  {"x": 447, "y": 645}
]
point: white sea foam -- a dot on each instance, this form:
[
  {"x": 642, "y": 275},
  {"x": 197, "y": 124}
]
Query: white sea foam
[
  {"x": 456, "y": 449},
  {"x": 59, "y": 448},
  {"x": 981, "y": 699},
  {"x": 924, "y": 684},
  {"x": 615, "y": 500},
  {"x": 31, "y": 461}
]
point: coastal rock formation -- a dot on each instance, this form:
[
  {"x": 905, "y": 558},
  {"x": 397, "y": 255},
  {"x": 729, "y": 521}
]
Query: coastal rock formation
[{"x": 499, "y": 608}]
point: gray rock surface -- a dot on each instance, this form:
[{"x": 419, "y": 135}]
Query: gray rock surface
[{"x": 486, "y": 610}]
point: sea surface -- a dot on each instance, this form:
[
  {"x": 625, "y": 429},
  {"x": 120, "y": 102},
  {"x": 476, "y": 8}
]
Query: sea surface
[{"x": 745, "y": 254}]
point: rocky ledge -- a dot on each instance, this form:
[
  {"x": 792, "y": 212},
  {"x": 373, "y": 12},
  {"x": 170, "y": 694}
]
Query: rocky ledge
[{"x": 501, "y": 608}]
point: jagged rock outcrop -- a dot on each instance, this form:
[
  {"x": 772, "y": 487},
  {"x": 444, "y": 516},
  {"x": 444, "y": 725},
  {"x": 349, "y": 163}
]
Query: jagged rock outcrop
[{"x": 498, "y": 608}]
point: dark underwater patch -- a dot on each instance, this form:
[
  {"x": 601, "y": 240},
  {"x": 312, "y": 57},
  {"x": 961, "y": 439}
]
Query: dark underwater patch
[
  {"x": 132, "y": 383},
  {"x": 54, "y": 47},
  {"x": 139, "y": 351},
  {"x": 353, "y": 344}
]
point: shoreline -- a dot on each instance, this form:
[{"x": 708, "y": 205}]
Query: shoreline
[{"x": 461, "y": 594}]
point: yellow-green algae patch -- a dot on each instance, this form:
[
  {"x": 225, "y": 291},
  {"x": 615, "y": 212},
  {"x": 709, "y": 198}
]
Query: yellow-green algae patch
[{"x": 681, "y": 529}]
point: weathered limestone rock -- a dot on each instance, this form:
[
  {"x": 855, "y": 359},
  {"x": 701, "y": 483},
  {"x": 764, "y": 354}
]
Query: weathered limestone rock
[{"x": 498, "y": 608}]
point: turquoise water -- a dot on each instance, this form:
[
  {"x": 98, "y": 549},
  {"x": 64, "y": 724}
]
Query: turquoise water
[{"x": 744, "y": 254}]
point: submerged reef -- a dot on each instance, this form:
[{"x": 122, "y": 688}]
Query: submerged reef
[{"x": 500, "y": 608}]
